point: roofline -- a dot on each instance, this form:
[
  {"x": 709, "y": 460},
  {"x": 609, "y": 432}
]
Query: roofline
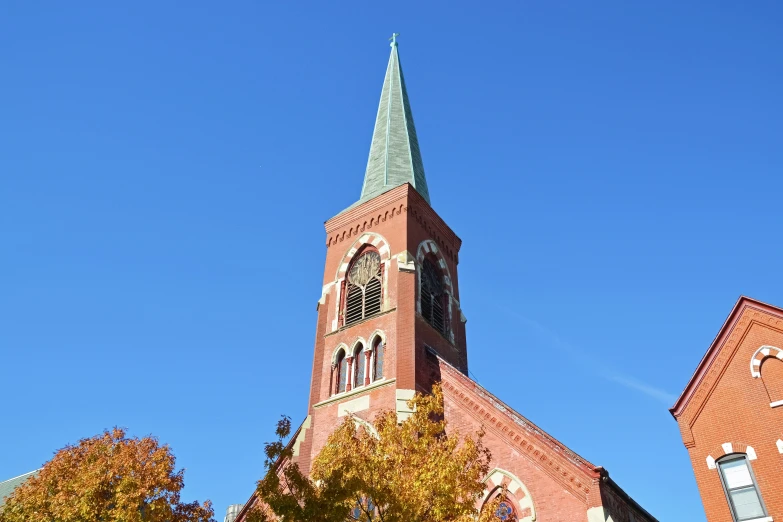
[
  {"x": 247, "y": 505},
  {"x": 628, "y": 498},
  {"x": 742, "y": 303},
  {"x": 583, "y": 462},
  {"x": 22, "y": 475}
]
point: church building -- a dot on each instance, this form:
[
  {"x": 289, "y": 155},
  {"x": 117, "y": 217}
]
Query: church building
[{"x": 390, "y": 324}]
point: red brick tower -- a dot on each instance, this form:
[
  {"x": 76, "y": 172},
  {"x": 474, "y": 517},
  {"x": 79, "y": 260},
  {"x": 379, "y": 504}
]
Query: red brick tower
[
  {"x": 375, "y": 329},
  {"x": 390, "y": 324}
]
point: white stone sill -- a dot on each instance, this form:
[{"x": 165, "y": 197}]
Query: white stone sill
[
  {"x": 355, "y": 391},
  {"x": 771, "y": 405},
  {"x": 762, "y": 519}
]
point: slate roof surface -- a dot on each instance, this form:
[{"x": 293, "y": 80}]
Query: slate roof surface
[
  {"x": 395, "y": 158},
  {"x": 8, "y": 486}
]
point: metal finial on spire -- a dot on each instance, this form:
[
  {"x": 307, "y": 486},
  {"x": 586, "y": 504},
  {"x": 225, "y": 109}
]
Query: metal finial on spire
[{"x": 394, "y": 39}]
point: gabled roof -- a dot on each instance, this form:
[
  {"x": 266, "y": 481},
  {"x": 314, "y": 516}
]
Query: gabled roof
[
  {"x": 395, "y": 158},
  {"x": 542, "y": 440},
  {"x": 8, "y": 486},
  {"x": 743, "y": 303}
]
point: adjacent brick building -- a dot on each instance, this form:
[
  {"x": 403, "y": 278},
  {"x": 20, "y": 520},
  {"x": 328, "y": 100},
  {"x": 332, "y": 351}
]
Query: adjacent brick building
[
  {"x": 731, "y": 417},
  {"x": 390, "y": 323}
]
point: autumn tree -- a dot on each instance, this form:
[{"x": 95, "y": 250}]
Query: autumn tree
[
  {"x": 106, "y": 478},
  {"x": 381, "y": 471}
]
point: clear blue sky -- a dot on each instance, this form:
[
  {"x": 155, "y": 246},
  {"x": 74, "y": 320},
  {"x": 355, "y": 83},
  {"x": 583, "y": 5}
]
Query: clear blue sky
[{"x": 613, "y": 168}]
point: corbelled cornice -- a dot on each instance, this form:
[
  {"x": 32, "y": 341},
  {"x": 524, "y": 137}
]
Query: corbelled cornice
[{"x": 574, "y": 473}]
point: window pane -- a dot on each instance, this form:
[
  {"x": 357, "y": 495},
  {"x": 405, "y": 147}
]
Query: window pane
[
  {"x": 736, "y": 473},
  {"x": 747, "y": 504},
  {"x": 343, "y": 375},
  {"x": 359, "y": 362},
  {"x": 378, "y": 361}
]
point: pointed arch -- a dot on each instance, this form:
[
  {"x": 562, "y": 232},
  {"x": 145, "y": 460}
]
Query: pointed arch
[
  {"x": 369, "y": 238},
  {"x": 428, "y": 246},
  {"x": 336, "y": 352},
  {"x": 365, "y": 424},
  {"x": 516, "y": 491},
  {"x": 359, "y": 366},
  {"x": 338, "y": 377},
  {"x": 369, "y": 241},
  {"x": 433, "y": 271},
  {"x": 377, "y": 357}
]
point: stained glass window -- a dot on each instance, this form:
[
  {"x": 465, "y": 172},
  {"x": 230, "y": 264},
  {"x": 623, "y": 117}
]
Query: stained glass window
[
  {"x": 359, "y": 361},
  {"x": 378, "y": 359},
  {"x": 342, "y": 371},
  {"x": 505, "y": 511}
]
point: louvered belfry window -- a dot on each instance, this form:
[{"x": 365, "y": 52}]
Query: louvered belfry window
[
  {"x": 433, "y": 298},
  {"x": 364, "y": 291}
]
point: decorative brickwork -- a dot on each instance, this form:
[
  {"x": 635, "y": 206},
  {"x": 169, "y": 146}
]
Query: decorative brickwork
[
  {"x": 725, "y": 409},
  {"x": 543, "y": 479},
  {"x": 761, "y": 354}
]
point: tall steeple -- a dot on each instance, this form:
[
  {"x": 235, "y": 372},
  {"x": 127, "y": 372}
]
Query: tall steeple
[{"x": 395, "y": 158}]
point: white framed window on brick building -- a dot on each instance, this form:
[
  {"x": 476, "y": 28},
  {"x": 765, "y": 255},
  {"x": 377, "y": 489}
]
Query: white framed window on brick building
[{"x": 741, "y": 488}]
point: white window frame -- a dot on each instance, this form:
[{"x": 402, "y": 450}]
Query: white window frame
[{"x": 727, "y": 491}]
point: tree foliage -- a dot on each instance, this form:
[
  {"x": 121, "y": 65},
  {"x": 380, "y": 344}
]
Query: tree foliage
[
  {"x": 106, "y": 478},
  {"x": 382, "y": 471}
]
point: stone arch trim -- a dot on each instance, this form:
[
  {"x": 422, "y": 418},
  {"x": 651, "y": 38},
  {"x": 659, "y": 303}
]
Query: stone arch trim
[
  {"x": 370, "y": 238},
  {"x": 758, "y": 357},
  {"x": 356, "y": 342},
  {"x": 498, "y": 478},
  {"x": 376, "y": 333},
  {"x": 728, "y": 448},
  {"x": 366, "y": 425},
  {"x": 341, "y": 346},
  {"x": 428, "y": 246}
]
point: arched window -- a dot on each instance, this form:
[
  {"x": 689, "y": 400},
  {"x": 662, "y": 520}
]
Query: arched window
[
  {"x": 359, "y": 364},
  {"x": 772, "y": 376},
  {"x": 363, "y": 289},
  {"x": 377, "y": 358},
  {"x": 433, "y": 298},
  {"x": 341, "y": 368},
  {"x": 505, "y": 511},
  {"x": 740, "y": 487}
]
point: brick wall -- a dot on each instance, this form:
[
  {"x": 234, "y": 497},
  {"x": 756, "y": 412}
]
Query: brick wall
[
  {"x": 548, "y": 482},
  {"x": 725, "y": 403}
]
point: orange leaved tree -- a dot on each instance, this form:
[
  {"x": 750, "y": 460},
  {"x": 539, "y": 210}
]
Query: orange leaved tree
[
  {"x": 106, "y": 478},
  {"x": 381, "y": 471}
]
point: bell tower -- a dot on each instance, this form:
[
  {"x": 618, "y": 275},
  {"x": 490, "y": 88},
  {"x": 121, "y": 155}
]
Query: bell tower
[{"x": 390, "y": 296}]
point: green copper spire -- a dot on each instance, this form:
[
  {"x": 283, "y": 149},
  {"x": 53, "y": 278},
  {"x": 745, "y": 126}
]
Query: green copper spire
[{"x": 395, "y": 158}]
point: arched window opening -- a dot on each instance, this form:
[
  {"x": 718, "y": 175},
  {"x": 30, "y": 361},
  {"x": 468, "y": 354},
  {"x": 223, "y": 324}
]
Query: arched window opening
[
  {"x": 377, "y": 359},
  {"x": 740, "y": 487},
  {"x": 772, "y": 376},
  {"x": 341, "y": 367},
  {"x": 364, "y": 288},
  {"x": 359, "y": 364},
  {"x": 433, "y": 298}
]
